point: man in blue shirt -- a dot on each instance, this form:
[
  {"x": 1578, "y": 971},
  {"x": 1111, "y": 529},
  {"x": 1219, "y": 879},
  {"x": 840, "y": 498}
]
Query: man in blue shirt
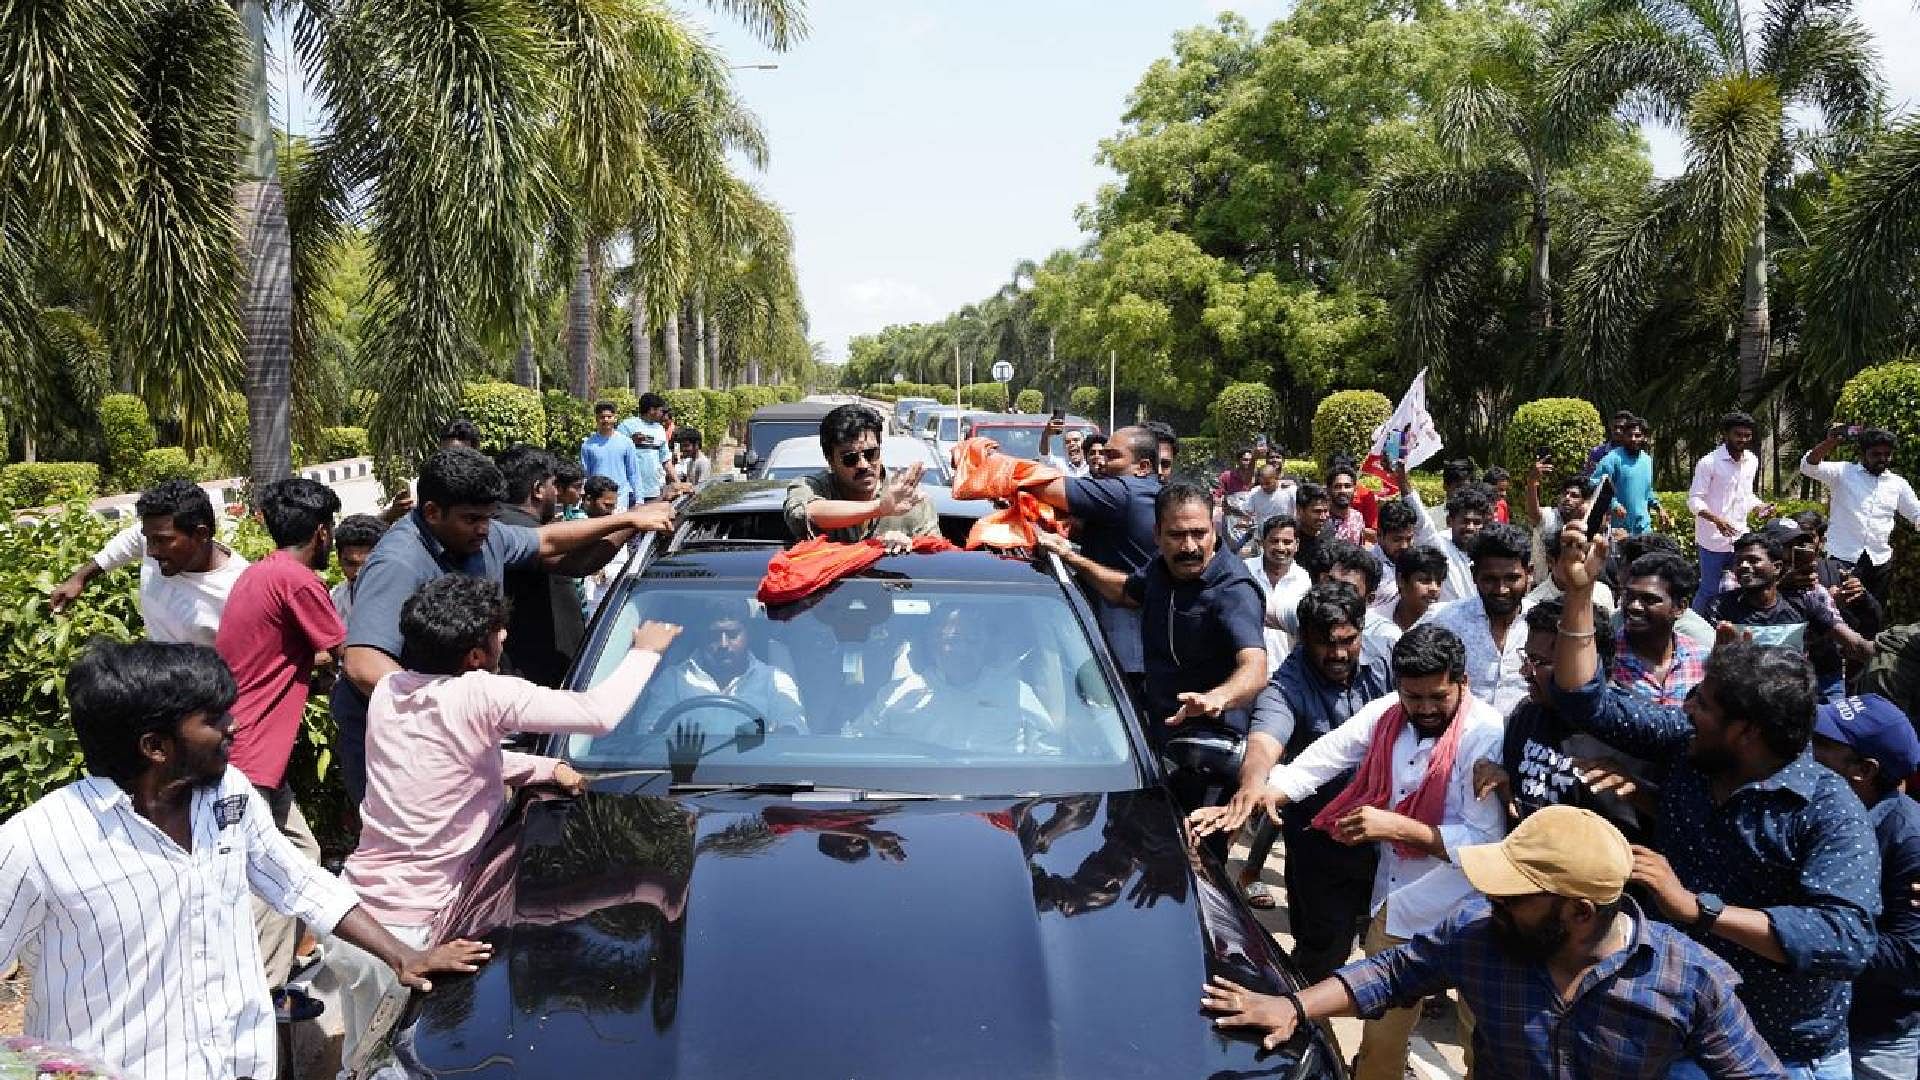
[
  {"x": 453, "y": 531},
  {"x": 609, "y": 453},
  {"x": 1872, "y": 745},
  {"x": 1631, "y": 469},
  {"x": 1568, "y": 979},
  {"x": 1764, "y": 855},
  {"x": 648, "y": 430}
]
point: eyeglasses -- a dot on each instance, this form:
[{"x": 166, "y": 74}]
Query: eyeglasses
[{"x": 852, "y": 457}]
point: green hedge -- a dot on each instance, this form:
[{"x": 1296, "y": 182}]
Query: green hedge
[
  {"x": 987, "y": 396},
  {"x": 1344, "y": 423},
  {"x": 689, "y": 410},
  {"x": 1888, "y": 396},
  {"x": 1197, "y": 451},
  {"x": 625, "y": 403},
  {"x": 1030, "y": 400},
  {"x": 569, "y": 420},
  {"x": 166, "y": 463},
  {"x": 127, "y": 431},
  {"x": 46, "y": 483},
  {"x": 1569, "y": 427},
  {"x": 748, "y": 399},
  {"x": 789, "y": 393},
  {"x": 717, "y": 407},
  {"x": 1087, "y": 401},
  {"x": 506, "y": 414},
  {"x": 1243, "y": 412},
  {"x": 341, "y": 443}
]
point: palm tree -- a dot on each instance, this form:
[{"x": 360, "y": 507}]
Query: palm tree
[
  {"x": 1731, "y": 80},
  {"x": 1863, "y": 261}
]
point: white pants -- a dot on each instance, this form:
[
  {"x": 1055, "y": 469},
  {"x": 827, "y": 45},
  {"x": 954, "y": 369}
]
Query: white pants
[{"x": 365, "y": 983}]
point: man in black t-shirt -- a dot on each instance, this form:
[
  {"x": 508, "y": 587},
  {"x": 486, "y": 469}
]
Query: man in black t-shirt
[{"x": 1757, "y": 605}]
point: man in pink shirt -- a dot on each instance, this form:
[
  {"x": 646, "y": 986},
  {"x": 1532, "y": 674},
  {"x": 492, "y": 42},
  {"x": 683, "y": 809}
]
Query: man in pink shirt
[
  {"x": 279, "y": 618},
  {"x": 436, "y": 774}
]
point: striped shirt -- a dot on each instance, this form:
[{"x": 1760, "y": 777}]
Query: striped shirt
[
  {"x": 1661, "y": 999},
  {"x": 144, "y": 955}
]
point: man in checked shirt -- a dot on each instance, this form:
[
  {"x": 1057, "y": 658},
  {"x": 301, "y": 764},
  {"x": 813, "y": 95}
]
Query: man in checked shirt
[{"x": 1567, "y": 976}]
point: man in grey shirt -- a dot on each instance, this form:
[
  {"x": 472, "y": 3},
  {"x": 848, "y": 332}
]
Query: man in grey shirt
[
  {"x": 692, "y": 466},
  {"x": 854, "y": 499},
  {"x": 453, "y": 531}
]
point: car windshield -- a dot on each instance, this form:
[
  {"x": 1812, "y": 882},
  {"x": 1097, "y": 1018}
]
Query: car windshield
[
  {"x": 949, "y": 429},
  {"x": 790, "y": 463},
  {"x": 874, "y": 684},
  {"x": 767, "y": 434}
]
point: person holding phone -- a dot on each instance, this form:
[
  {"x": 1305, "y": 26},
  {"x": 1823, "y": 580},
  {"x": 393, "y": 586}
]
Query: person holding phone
[
  {"x": 1630, "y": 467},
  {"x": 648, "y": 430},
  {"x": 1867, "y": 495},
  {"x": 854, "y": 499},
  {"x": 1721, "y": 498}
]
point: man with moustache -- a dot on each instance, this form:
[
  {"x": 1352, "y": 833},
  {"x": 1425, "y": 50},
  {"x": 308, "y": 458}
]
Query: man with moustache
[
  {"x": 853, "y": 498},
  {"x": 1569, "y": 977},
  {"x": 1867, "y": 495},
  {"x": 1489, "y": 623},
  {"x": 1412, "y": 753},
  {"x": 1764, "y": 855}
]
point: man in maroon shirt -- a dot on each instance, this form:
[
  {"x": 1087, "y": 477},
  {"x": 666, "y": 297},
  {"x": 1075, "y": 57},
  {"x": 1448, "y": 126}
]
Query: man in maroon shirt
[{"x": 279, "y": 621}]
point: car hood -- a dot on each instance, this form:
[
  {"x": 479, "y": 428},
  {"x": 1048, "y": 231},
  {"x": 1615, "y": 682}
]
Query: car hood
[{"x": 737, "y": 936}]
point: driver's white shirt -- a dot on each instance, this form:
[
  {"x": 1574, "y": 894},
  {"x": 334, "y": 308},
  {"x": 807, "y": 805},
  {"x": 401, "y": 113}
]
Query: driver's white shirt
[
  {"x": 996, "y": 711},
  {"x": 766, "y": 688}
]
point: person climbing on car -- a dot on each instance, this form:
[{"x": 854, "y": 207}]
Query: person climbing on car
[{"x": 853, "y": 498}]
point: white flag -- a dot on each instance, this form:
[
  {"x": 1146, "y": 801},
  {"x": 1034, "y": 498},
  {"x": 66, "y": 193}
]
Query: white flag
[{"x": 1409, "y": 433}]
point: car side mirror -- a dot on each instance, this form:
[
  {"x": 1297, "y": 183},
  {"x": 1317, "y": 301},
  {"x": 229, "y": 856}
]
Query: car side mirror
[
  {"x": 740, "y": 460},
  {"x": 1211, "y": 752}
]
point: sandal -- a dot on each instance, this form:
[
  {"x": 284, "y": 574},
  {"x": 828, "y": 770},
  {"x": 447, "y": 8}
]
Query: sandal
[
  {"x": 292, "y": 1005},
  {"x": 1260, "y": 897}
]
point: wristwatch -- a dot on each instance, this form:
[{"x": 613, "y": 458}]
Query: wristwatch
[{"x": 1711, "y": 907}]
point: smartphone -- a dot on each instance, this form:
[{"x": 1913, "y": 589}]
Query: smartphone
[
  {"x": 1059, "y": 415},
  {"x": 1601, "y": 508},
  {"x": 1803, "y": 558},
  {"x": 1543, "y": 453}
]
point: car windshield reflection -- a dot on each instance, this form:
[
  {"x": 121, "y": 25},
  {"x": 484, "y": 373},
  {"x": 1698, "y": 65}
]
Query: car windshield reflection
[{"x": 873, "y": 683}]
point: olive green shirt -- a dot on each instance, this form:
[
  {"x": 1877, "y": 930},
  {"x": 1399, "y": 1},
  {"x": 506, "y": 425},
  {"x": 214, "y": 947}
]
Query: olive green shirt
[{"x": 919, "y": 521}]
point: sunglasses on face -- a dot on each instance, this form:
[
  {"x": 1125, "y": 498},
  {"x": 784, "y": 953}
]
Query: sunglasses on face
[{"x": 852, "y": 457}]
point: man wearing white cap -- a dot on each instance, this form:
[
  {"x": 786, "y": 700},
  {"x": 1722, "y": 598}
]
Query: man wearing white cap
[{"x": 1566, "y": 976}]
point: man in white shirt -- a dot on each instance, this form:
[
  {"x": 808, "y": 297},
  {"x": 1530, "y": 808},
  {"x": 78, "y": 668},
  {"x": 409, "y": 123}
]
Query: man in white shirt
[
  {"x": 1282, "y": 580},
  {"x": 1337, "y": 560},
  {"x": 723, "y": 665},
  {"x": 128, "y": 891},
  {"x": 1489, "y": 623},
  {"x": 960, "y": 700},
  {"x": 1552, "y": 587},
  {"x": 185, "y": 575},
  {"x": 1721, "y": 497},
  {"x": 1468, "y": 510},
  {"x": 1866, "y": 496},
  {"x": 1418, "y": 805},
  {"x": 1074, "y": 461}
]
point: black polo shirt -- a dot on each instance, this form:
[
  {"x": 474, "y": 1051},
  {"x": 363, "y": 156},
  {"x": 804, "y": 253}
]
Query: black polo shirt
[{"x": 1191, "y": 633}]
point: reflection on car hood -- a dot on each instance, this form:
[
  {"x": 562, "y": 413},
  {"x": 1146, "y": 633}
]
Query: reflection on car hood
[{"x": 753, "y": 936}]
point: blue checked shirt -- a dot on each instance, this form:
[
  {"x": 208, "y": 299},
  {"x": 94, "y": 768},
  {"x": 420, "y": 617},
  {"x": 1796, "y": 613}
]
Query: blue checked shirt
[
  {"x": 1795, "y": 845},
  {"x": 1661, "y": 999}
]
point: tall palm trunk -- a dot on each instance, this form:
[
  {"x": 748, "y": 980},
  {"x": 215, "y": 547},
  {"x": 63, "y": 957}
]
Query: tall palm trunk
[
  {"x": 580, "y": 324},
  {"x": 670, "y": 341},
  {"x": 699, "y": 338},
  {"x": 267, "y": 312},
  {"x": 713, "y": 354},
  {"x": 642, "y": 337},
  {"x": 1756, "y": 323},
  {"x": 753, "y": 371},
  {"x": 525, "y": 371},
  {"x": 1539, "y": 279}
]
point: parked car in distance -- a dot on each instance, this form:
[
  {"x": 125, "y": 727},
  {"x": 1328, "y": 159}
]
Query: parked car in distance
[
  {"x": 955, "y": 857},
  {"x": 772, "y": 425},
  {"x": 905, "y": 406},
  {"x": 1019, "y": 433},
  {"x": 802, "y": 455}
]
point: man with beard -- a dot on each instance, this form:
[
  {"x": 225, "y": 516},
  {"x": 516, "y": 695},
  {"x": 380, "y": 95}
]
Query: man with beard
[
  {"x": 128, "y": 890},
  {"x": 853, "y": 498},
  {"x": 1412, "y": 754},
  {"x": 1399, "y": 527},
  {"x": 1630, "y": 467},
  {"x": 1650, "y": 656},
  {"x": 960, "y": 699},
  {"x": 1762, "y": 853},
  {"x": 1469, "y": 508},
  {"x": 1721, "y": 498},
  {"x": 1489, "y": 624},
  {"x": 1345, "y": 521},
  {"x": 1759, "y": 607},
  {"x": 547, "y": 625},
  {"x": 1569, "y": 504},
  {"x": 1282, "y": 580},
  {"x": 1568, "y": 976},
  {"x": 723, "y": 665},
  {"x": 1867, "y": 495}
]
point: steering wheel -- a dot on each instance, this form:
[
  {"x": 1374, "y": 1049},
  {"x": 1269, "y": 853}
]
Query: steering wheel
[{"x": 709, "y": 701}]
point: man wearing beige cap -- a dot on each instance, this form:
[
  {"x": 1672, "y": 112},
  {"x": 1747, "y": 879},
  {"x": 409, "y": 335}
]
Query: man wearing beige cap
[{"x": 1567, "y": 977}]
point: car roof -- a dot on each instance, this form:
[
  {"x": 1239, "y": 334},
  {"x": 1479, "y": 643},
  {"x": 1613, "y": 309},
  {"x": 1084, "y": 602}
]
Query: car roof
[
  {"x": 803, "y": 410},
  {"x": 770, "y": 496},
  {"x": 749, "y": 562}
]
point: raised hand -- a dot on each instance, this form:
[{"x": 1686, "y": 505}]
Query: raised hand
[
  {"x": 1244, "y": 1008},
  {"x": 655, "y": 637}
]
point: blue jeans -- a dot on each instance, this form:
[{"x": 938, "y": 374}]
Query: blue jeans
[
  {"x": 1835, "y": 1066},
  {"x": 1893, "y": 1056},
  {"x": 1712, "y": 565}
]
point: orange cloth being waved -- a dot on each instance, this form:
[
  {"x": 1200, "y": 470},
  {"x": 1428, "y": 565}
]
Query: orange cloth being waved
[
  {"x": 807, "y": 567},
  {"x": 980, "y": 471}
]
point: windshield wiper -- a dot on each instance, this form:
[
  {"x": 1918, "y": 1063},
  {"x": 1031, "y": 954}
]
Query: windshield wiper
[{"x": 801, "y": 787}]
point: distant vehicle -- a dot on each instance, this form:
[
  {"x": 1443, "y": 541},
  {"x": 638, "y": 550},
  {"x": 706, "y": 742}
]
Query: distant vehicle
[
  {"x": 1019, "y": 433},
  {"x": 905, "y": 406},
  {"x": 917, "y": 418},
  {"x": 942, "y": 425},
  {"x": 802, "y": 455},
  {"x": 772, "y": 425}
]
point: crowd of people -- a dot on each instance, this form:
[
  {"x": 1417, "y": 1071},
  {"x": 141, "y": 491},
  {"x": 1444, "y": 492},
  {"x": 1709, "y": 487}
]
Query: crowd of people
[{"x": 1643, "y": 812}]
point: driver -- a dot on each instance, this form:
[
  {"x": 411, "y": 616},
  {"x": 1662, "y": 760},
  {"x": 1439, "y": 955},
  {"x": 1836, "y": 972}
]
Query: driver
[
  {"x": 722, "y": 665},
  {"x": 960, "y": 699}
]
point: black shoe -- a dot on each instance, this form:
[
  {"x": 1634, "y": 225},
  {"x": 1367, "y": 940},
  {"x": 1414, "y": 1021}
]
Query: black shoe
[{"x": 291, "y": 1005}]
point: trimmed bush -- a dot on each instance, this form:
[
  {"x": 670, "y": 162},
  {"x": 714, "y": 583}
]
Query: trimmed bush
[
  {"x": 569, "y": 420},
  {"x": 47, "y": 483},
  {"x": 128, "y": 433},
  {"x": 718, "y": 414},
  {"x": 166, "y": 463},
  {"x": 689, "y": 410},
  {"x": 506, "y": 414},
  {"x": 1087, "y": 401},
  {"x": 1245, "y": 411},
  {"x": 748, "y": 399},
  {"x": 625, "y": 402},
  {"x": 1888, "y": 396},
  {"x": 987, "y": 396},
  {"x": 1200, "y": 451},
  {"x": 1030, "y": 400},
  {"x": 1568, "y": 427},
  {"x": 1344, "y": 423},
  {"x": 788, "y": 393},
  {"x": 341, "y": 443}
]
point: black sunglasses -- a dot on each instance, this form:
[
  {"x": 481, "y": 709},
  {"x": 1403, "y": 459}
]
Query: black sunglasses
[{"x": 852, "y": 457}]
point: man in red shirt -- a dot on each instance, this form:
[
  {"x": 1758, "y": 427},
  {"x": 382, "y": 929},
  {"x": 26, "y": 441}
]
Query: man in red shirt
[
  {"x": 1239, "y": 478},
  {"x": 278, "y": 622}
]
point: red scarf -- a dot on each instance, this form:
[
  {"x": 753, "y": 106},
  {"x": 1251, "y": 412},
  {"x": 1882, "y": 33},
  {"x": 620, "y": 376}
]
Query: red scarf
[
  {"x": 982, "y": 472},
  {"x": 812, "y": 565},
  {"x": 1373, "y": 784}
]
